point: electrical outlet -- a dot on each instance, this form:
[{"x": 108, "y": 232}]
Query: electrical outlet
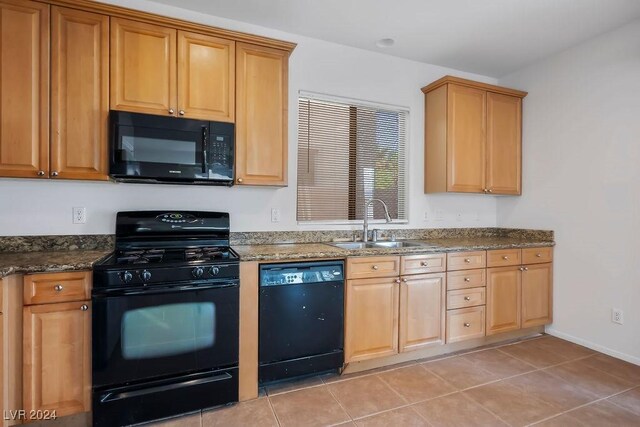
[
  {"x": 426, "y": 215},
  {"x": 439, "y": 215},
  {"x": 459, "y": 217},
  {"x": 617, "y": 316},
  {"x": 275, "y": 215},
  {"x": 79, "y": 215}
]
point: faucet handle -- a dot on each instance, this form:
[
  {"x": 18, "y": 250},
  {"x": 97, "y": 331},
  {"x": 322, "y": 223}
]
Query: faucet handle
[
  {"x": 374, "y": 235},
  {"x": 393, "y": 237}
]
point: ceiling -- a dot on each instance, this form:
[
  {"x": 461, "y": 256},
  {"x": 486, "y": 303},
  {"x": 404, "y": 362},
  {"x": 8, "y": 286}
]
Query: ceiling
[{"x": 489, "y": 37}]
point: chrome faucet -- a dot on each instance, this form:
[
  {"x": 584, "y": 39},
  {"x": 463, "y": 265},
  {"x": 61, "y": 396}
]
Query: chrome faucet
[{"x": 365, "y": 224}]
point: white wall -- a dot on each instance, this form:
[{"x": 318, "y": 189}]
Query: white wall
[
  {"x": 582, "y": 179},
  {"x": 44, "y": 207}
]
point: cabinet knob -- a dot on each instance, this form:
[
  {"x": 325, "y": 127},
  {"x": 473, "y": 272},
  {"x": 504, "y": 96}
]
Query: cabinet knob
[
  {"x": 485, "y": 190},
  {"x": 239, "y": 180},
  {"x": 374, "y": 267},
  {"x": 526, "y": 269},
  {"x": 171, "y": 111},
  {"x": 506, "y": 258},
  {"x": 466, "y": 279},
  {"x": 54, "y": 173},
  {"x": 424, "y": 264},
  {"x": 490, "y": 190},
  {"x": 466, "y": 325},
  {"x": 467, "y": 298},
  {"x": 521, "y": 269},
  {"x": 84, "y": 307},
  {"x": 538, "y": 255},
  {"x": 404, "y": 279},
  {"x": 397, "y": 280},
  {"x": 181, "y": 112},
  {"x": 467, "y": 260},
  {"x": 40, "y": 173},
  {"x": 58, "y": 288}
]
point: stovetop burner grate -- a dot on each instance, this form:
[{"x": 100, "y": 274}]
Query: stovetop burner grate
[{"x": 147, "y": 256}]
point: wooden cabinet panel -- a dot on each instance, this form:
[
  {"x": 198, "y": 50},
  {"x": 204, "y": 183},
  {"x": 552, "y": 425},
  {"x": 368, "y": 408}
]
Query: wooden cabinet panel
[
  {"x": 79, "y": 94},
  {"x": 503, "y": 299},
  {"x": 422, "y": 311},
  {"x": 466, "y": 139},
  {"x": 466, "y": 279},
  {"x": 57, "y": 357},
  {"x": 261, "y": 115},
  {"x": 49, "y": 288},
  {"x": 206, "y": 77},
  {"x": 466, "y": 260},
  {"x": 503, "y": 257},
  {"x": 371, "y": 318},
  {"x": 537, "y": 295},
  {"x": 373, "y": 266},
  {"x": 463, "y": 298},
  {"x": 465, "y": 324},
  {"x": 143, "y": 67},
  {"x": 24, "y": 89},
  {"x": 422, "y": 264},
  {"x": 537, "y": 255},
  {"x": 504, "y": 134}
]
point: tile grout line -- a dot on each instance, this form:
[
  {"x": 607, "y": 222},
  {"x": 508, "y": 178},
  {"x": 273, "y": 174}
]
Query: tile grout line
[
  {"x": 620, "y": 406},
  {"x": 593, "y": 402},
  {"x": 339, "y": 403},
  {"x": 273, "y": 411},
  {"x": 485, "y": 408}
]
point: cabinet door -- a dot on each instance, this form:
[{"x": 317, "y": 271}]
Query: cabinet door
[
  {"x": 504, "y": 143},
  {"x": 24, "y": 86},
  {"x": 261, "y": 115},
  {"x": 143, "y": 67},
  {"x": 206, "y": 77},
  {"x": 79, "y": 94},
  {"x": 57, "y": 357},
  {"x": 466, "y": 139},
  {"x": 371, "y": 319},
  {"x": 503, "y": 299},
  {"x": 537, "y": 295},
  {"x": 422, "y": 311}
]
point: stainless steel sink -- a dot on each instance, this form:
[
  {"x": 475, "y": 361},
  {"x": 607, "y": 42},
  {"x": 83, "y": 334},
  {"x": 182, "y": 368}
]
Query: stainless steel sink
[
  {"x": 397, "y": 244},
  {"x": 379, "y": 244},
  {"x": 351, "y": 245}
]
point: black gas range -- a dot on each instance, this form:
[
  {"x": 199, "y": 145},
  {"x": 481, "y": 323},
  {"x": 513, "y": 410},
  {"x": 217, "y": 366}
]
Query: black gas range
[{"x": 165, "y": 318}]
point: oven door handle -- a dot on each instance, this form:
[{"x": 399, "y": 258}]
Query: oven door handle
[
  {"x": 110, "y": 397},
  {"x": 205, "y": 149},
  {"x": 162, "y": 290}
]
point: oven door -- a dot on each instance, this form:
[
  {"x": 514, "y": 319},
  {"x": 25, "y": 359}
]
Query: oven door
[{"x": 140, "y": 335}]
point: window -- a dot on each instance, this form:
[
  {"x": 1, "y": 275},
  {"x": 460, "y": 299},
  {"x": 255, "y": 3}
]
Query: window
[{"x": 349, "y": 153}]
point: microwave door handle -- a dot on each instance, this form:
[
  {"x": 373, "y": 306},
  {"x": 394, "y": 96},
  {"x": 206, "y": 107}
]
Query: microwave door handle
[{"x": 205, "y": 149}]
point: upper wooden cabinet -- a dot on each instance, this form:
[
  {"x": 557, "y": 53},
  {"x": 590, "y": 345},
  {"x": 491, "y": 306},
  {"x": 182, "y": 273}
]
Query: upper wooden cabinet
[
  {"x": 24, "y": 88},
  {"x": 472, "y": 137},
  {"x": 160, "y": 70},
  {"x": 261, "y": 115},
  {"x": 79, "y": 94}
]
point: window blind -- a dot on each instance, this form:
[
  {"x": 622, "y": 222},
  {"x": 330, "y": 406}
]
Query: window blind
[{"x": 347, "y": 155}]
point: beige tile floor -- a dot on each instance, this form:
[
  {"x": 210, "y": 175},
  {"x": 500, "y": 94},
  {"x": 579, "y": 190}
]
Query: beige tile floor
[{"x": 542, "y": 381}]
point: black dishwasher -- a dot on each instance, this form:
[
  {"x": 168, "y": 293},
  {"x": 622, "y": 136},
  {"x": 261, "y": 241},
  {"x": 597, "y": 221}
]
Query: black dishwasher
[{"x": 301, "y": 319}]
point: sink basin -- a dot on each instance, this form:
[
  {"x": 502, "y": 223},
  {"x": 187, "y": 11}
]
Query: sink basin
[
  {"x": 351, "y": 245},
  {"x": 368, "y": 245},
  {"x": 397, "y": 244}
]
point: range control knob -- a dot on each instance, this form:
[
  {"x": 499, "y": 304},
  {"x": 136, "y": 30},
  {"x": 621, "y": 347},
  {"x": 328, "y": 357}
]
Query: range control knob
[
  {"x": 146, "y": 275},
  {"x": 197, "y": 272},
  {"x": 126, "y": 276},
  {"x": 214, "y": 271}
]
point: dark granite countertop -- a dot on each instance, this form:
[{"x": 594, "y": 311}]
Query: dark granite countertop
[
  {"x": 301, "y": 251},
  {"x": 48, "y": 261}
]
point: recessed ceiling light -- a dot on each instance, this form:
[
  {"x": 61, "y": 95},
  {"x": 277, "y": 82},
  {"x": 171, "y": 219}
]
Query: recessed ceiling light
[{"x": 385, "y": 43}]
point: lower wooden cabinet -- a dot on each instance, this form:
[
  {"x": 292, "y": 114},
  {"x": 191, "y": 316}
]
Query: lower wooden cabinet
[
  {"x": 537, "y": 295},
  {"x": 465, "y": 324},
  {"x": 422, "y": 301},
  {"x": 371, "y": 319},
  {"x": 503, "y": 299}
]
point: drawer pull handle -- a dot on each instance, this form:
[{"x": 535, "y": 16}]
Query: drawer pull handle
[
  {"x": 374, "y": 267},
  {"x": 424, "y": 264},
  {"x": 84, "y": 307},
  {"x": 506, "y": 258},
  {"x": 58, "y": 288},
  {"x": 467, "y": 325},
  {"x": 467, "y": 279},
  {"x": 539, "y": 255},
  {"x": 467, "y": 298},
  {"x": 467, "y": 260}
]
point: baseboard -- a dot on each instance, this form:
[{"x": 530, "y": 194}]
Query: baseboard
[{"x": 594, "y": 346}]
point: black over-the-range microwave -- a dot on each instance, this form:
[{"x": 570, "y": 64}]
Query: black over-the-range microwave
[{"x": 156, "y": 149}]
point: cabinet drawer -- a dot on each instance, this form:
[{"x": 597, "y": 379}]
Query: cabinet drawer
[
  {"x": 537, "y": 255},
  {"x": 57, "y": 287},
  {"x": 466, "y": 260},
  {"x": 463, "y": 298},
  {"x": 465, "y": 323},
  {"x": 503, "y": 257},
  {"x": 375, "y": 266},
  {"x": 466, "y": 279},
  {"x": 420, "y": 264}
]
